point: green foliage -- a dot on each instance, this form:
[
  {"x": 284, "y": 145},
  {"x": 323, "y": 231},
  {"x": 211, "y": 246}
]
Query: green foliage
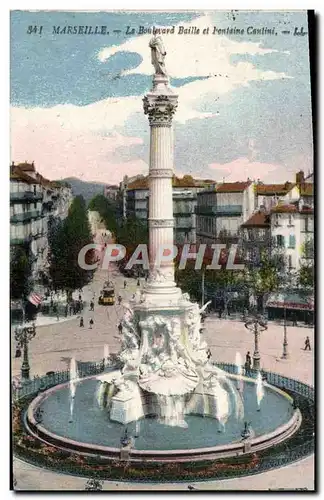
[
  {"x": 20, "y": 272},
  {"x": 306, "y": 276},
  {"x": 131, "y": 233},
  {"x": 306, "y": 271},
  {"x": 66, "y": 241},
  {"x": 106, "y": 210}
]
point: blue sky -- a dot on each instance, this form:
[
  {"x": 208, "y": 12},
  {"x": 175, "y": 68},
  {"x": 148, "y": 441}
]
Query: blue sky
[{"x": 77, "y": 99}]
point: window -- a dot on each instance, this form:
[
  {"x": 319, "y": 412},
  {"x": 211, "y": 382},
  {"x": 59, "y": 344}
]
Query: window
[
  {"x": 292, "y": 241},
  {"x": 277, "y": 220},
  {"x": 35, "y": 205},
  {"x": 280, "y": 240}
]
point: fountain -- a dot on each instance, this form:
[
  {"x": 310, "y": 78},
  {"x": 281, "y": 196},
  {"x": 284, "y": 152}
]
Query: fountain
[
  {"x": 259, "y": 389},
  {"x": 106, "y": 355},
  {"x": 73, "y": 383},
  {"x": 166, "y": 381}
]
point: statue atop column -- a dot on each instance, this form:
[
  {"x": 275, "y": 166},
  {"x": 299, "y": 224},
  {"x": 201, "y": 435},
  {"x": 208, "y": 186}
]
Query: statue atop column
[{"x": 158, "y": 54}]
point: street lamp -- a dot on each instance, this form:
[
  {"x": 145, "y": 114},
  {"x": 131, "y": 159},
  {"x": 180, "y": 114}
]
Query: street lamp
[
  {"x": 285, "y": 340},
  {"x": 23, "y": 335},
  {"x": 256, "y": 324}
]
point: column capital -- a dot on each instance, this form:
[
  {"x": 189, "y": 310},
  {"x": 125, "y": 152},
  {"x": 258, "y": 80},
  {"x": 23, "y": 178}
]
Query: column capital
[{"x": 160, "y": 108}]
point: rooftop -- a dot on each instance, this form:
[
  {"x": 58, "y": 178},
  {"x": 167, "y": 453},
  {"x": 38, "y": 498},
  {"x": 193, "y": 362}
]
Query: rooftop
[
  {"x": 232, "y": 187},
  {"x": 274, "y": 189},
  {"x": 306, "y": 189},
  {"x": 292, "y": 208},
  {"x": 258, "y": 219},
  {"x": 27, "y": 167},
  {"x": 186, "y": 181},
  {"x": 16, "y": 173}
]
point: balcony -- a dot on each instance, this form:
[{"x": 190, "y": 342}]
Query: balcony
[
  {"x": 225, "y": 210},
  {"x": 25, "y": 216},
  {"x": 26, "y": 196},
  {"x": 23, "y": 240}
]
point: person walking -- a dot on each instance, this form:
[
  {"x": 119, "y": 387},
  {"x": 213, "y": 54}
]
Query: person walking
[
  {"x": 248, "y": 362},
  {"x": 125, "y": 284},
  {"x": 307, "y": 344},
  {"x": 90, "y": 323},
  {"x": 120, "y": 328},
  {"x": 209, "y": 354},
  {"x": 294, "y": 320},
  {"x": 81, "y": 322},
  {"x": 138, "y": 282},
  {"x": 119, "y": 299},
  {"x": 91, "y": 305}
]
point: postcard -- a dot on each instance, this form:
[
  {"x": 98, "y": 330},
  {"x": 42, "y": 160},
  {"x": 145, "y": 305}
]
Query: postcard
[{"x": 162, "y": 293}]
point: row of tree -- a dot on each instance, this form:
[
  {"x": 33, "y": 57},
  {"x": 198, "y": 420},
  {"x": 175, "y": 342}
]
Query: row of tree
[{"x": 66, "y": 238}]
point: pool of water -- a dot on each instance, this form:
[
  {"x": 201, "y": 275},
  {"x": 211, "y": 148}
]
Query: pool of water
[{"x": 91, "y": 424}]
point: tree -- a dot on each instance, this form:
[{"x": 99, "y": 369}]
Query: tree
[
  {"x": 66, "y": 240},
  {"x": 20, "y": 272},
  {"x": 107, "y": 211},
  {"x": 131, "y": 233},
  {"x": 266, "y": 277},
  {"x": 306, "y": 271}
]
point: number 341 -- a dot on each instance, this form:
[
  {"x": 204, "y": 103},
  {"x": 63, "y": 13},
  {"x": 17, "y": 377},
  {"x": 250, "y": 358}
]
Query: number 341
[{"x": 34, "y": 30}]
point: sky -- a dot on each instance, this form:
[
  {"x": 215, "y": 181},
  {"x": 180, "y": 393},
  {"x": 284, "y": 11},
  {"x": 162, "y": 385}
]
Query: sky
[{"x": 244, "y": 99}]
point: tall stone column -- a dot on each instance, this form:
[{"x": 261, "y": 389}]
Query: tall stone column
[{"x": 160, "y": 105}]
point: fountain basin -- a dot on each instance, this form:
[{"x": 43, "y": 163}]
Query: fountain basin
[{"x": 91, "y": 430}]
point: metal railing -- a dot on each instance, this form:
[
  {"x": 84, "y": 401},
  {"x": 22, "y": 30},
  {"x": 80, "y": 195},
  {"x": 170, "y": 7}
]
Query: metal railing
[{"x": 86, "y": 369}]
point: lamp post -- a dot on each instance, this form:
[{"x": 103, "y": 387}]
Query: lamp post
[
  {"x": 285, "y": 354},
  {"x": 256, "y": 324},
  {"x": 23, "y": 335}
]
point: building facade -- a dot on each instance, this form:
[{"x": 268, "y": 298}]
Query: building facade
[
  {"x": 222, "y": 209},
  {"x": 34, "y": 201},
  {"x": 184, "y": 203}
]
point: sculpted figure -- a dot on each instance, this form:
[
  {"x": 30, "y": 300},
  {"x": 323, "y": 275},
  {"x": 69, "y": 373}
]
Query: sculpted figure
[{"x": 158, "y": 54}]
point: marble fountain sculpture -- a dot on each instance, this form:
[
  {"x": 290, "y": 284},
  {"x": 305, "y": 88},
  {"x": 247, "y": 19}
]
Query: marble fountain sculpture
[{"x": 165, "y": 372}]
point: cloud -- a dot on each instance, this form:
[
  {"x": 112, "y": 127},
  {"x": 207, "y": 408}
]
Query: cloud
[
  {"x": 188, "y": 55},
  {"x": 243, "y": 168},
  {"x": 61, "y": 145},
  {"x": 203, "y": 56}
]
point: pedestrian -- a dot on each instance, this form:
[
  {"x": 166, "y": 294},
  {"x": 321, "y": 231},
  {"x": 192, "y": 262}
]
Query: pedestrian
[
  {"x": 120, "y": 328},
  {"x": 138, "y": 282},
  {"x": 119, "y": 299},
  {"x": 92, "y": 306},
  {"x": 81, "y": 322},
  {"x": 307, "y": 344},
  {"x": 125, "y": 284},
  {"x": 220, "y": 313},
  {"x": 71, "y": 309},
  {"x": 248, "y": 361},
  {"x": 209, "y": 354},
  {"x": 90, "y": 323},
  {"x": 80, "y": 298},
  {"x": 294, "y": 320}
]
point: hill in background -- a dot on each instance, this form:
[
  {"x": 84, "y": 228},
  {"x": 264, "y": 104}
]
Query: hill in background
[{"x": 86, "y": 189}]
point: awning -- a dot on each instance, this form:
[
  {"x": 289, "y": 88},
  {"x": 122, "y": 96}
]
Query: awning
[{"x": 291, "y": 301}]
